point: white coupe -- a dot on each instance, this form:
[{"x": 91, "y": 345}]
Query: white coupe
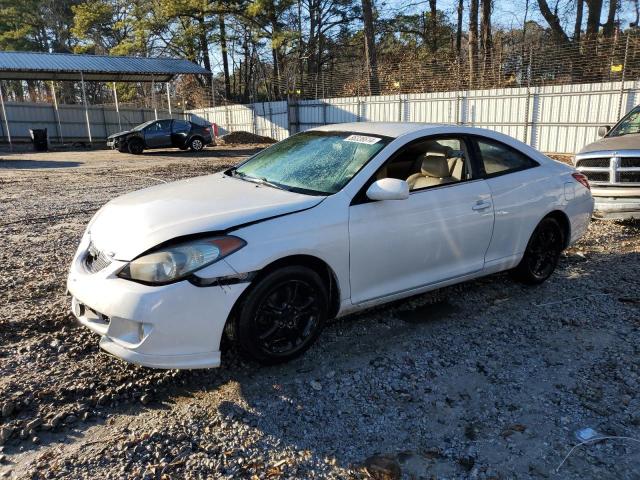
[{"x": 325, "y": 223}]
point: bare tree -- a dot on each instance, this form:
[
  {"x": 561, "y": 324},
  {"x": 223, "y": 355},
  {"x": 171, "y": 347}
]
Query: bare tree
[
  {"x": 577, "y": 29},
  {"x": 554, "y": 22},
  {"x": 433, "y": 24},
  {"x": 459, "y": 29},
  {"x": 485, "y": 34},
  {"x": 370, "y": 47},
  {"x": 473, "y": 40},
  {"x": 225, "y": 57},
  {"x": 593, "y": 18},
  {"x": 609, "y": 27}
]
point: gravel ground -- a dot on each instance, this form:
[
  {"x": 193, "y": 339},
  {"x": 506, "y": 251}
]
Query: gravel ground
[{"x": 485, "y": 380}]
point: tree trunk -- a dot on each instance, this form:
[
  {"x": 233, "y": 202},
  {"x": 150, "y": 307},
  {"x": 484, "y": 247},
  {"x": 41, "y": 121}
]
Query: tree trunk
[
  {"x": 578, "y": 26},
  {"x": 433, "y": 21},
  {"x": 473, "y": 40},
  {"x": 276, "y": 56},
  {"x": 459, "y": 29},
  {"x": 553, "y": 21},
  {"x": 225, "y": 58},
  {"x": 593, "y": 18},
  {"x": 609, "y": 27},
  {"x": 485, "y": 38},
  {"x": 246, "y": 80},
  {"x": 370, "y": 47},
  {"x": 204, "y": 49}
]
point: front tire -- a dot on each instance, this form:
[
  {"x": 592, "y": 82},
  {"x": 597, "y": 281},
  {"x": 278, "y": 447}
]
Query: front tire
[
  {"x": 135, "y": 146},
  {"x": 282, "y": 315},
  {"x": 196, "y": 144},
  {"x": 542, "y": 254}
]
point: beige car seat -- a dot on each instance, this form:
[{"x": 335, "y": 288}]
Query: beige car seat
[{"x": 435, "y": 170}]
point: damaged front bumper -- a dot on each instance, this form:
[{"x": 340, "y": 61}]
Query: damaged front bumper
[{"x": 179, "y": 325}]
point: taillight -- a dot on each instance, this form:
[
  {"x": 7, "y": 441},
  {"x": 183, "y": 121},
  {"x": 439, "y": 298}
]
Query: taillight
[
  {"x": 581, "y": 178},
  {"x": 207, "y": 130}
]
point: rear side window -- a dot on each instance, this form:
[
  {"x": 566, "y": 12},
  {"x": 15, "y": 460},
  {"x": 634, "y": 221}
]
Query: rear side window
[
  {"x": 181, "y": 126},
  {"x": 499, "y": 158}
]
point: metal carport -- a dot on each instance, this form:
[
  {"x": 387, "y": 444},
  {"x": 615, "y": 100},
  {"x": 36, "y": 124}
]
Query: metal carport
[{"x": 101, "y": 68}]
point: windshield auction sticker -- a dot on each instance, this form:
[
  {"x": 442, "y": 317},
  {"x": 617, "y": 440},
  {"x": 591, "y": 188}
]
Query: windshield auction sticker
[{"x": 362, "y": 139}]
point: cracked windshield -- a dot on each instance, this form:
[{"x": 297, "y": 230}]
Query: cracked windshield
[{"x": 312, "y": 162}]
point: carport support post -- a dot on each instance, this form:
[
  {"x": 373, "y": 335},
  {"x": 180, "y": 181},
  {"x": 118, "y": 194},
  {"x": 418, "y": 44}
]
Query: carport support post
[
  {"x": 153, "y": 97},
  {"x": 6, "y": 120},
  {"x": 213, "y": 93},
  {"x": 55, "y": 107},
  {"x": 86, "y": 108},
  {"x": 115, "y": 96},
  {"x": 169, "y": 100}
]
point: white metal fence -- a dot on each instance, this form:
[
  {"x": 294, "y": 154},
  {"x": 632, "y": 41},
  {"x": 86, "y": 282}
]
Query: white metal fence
[
  {"x": 69, "y": 123},
  {"x": 559, "y": 119}
]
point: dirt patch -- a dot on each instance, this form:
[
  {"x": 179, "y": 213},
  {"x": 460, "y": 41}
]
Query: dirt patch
[{"x": 245, "y": 138}]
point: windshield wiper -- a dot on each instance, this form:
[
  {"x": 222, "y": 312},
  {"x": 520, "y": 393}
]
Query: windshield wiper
[{"x": 259, "y": 181}]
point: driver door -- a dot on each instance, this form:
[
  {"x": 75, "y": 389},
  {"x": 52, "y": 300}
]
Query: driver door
[
  {"x": 158, "y": 134},
  {"x": 442, "y": 231}
]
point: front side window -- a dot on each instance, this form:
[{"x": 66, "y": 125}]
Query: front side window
[
  {"x": 629, "y": 124},
  {"x": 429, "y": 162},
  {"x": 498, "y": 158},
  {"x": 312, "y": 162}
]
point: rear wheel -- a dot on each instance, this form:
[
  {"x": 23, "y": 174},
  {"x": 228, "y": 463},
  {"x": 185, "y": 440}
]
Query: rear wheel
[
  {"x": 135, "y": 146},
  {"x": 282, "y": 315},
  {"x": 196, "y": 144},
  {"x": 542, "y": 254}
]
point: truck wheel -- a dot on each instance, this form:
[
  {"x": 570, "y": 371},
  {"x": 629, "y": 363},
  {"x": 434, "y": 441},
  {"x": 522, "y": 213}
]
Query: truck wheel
[
  {"x": 196, "y": 144},
  {"x": 136, "y": 146}
]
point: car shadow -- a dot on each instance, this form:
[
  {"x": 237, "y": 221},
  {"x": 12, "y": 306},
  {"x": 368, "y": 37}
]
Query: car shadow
[{"x": 35, "y": 164}]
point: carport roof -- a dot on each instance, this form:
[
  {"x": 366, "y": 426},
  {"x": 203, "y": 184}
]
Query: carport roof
[{"x": 67, "y": 66}]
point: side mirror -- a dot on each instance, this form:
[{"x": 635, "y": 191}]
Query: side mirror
[
  {"x": 388, "y": 189},
  {"x": 603, "y": 130}
]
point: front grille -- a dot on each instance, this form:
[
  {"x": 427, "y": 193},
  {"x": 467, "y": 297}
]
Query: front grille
[
  {"x": 597, "y": 176},
  {"x": 594, "y": 162},
  {"x": 629, "y": 177},
  {"x": 95, "y": 260},
  {"x": 629, "y": 162},
  {"x": 620, "y": 168}
]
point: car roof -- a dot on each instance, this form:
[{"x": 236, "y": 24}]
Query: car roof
[{"x": 388, "y": 129}]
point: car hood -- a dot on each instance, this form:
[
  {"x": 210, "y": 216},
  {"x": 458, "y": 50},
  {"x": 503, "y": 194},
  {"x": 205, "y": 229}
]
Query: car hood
[
  {"x": 623, "y": 142},
  {"x": 132, "y": 224},
  {"x": 119, "y": 134}
]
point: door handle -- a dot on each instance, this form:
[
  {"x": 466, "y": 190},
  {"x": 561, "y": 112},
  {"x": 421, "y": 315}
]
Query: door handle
[{"x": 481, "y": 205}]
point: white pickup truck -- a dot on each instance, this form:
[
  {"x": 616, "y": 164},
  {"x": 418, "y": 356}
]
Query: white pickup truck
[{"x": 612, "y": 166}]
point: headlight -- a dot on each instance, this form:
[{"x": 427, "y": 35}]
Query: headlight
[{"x": 175, "y": 262}]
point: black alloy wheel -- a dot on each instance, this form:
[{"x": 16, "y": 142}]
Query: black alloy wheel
[
  {"x": 136, "y": 147},
  {"x": 282, "y": 315},
  {"x": 542, "y": 254}
]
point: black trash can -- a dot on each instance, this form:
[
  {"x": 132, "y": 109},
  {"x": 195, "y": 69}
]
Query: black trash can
[{"x": 40, "y": 139}]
